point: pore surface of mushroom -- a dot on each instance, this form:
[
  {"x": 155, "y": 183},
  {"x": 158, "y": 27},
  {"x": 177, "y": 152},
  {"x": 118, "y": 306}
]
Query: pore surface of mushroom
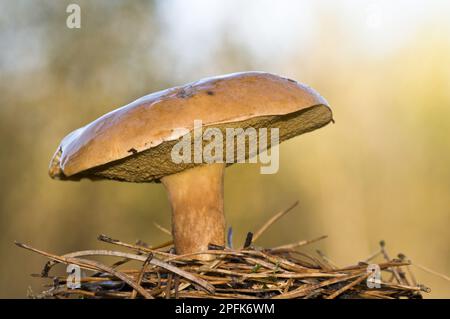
[{"x": 134, "y": 143}]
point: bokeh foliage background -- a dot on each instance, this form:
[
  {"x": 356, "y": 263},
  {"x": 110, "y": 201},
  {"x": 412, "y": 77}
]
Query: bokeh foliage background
[{"x": 381, "y": 172}]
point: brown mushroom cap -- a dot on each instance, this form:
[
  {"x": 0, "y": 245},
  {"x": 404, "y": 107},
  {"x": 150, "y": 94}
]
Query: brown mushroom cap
[{"x": 133, "y": 143}]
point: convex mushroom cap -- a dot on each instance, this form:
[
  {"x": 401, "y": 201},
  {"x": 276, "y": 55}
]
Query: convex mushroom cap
[{"x": 133, "y": 143}]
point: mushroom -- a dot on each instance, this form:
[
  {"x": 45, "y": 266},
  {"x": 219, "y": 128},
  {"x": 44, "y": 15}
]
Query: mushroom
[{"x": 133, "y": 143}]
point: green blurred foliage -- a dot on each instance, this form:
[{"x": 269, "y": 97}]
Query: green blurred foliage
[{"x": 381, "y": 172}]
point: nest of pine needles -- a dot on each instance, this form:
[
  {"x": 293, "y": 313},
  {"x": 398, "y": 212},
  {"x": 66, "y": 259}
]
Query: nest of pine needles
[{"x": 250, "y": 272}]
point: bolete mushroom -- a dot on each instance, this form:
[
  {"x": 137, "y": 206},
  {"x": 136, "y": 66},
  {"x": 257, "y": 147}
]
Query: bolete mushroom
[{"x": 133, "y": 143}]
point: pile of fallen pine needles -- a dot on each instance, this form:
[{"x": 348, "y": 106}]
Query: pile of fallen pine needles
[{"x": 247, "y": 273}]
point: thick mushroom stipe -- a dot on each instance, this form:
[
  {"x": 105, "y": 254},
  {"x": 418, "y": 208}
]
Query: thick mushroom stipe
[{"x": 196, "y": 198}]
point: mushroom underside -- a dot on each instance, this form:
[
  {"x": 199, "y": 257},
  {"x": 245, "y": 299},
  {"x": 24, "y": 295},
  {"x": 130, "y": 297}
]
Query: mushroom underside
[{"x": 153, "y": 164}]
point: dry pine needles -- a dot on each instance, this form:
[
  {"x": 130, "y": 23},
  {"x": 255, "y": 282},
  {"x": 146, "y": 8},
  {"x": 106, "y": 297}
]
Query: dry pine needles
[{"x": 250, "y": 272}]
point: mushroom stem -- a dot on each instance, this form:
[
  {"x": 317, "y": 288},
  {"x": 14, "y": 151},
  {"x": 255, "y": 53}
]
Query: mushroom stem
[{"x": 196, "y": 198}]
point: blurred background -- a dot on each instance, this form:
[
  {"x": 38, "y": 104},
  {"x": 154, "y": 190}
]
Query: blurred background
[{"x": 381, "y": 172}]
